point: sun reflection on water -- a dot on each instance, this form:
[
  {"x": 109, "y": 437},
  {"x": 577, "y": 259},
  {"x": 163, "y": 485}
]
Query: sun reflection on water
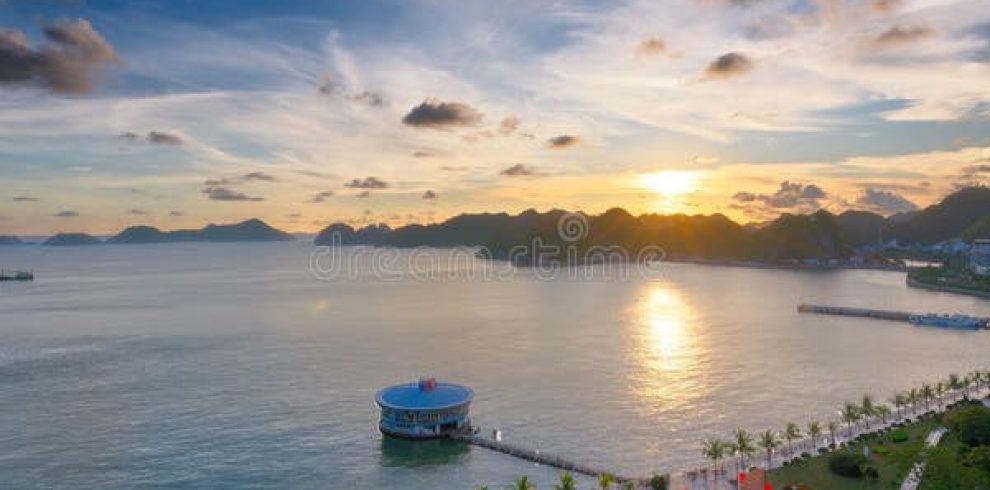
[{"x": 667, "y": 346}]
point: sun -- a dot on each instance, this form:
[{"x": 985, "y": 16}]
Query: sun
[{"x": 670, "y": 183}]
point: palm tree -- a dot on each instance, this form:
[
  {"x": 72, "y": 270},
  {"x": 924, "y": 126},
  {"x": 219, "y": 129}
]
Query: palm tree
[
  {"x": 744, "y": 446},
  {"x": 914, "y": 397},
  {"x": 900, "y": 401},
  {"x": 849, "y": 415},
  {"x": 791, "y": 432},
  {"x": 770, "y": 441},
  {"x": 867, "y": 409},
  {"x": 953, "y": 383},
  {"x": 882, "y": 411},
  {"x": 833, "y": 427},
  {"x": 714, "y": 449},
  {"x": 605, "y": 480},
  {"x": 940, "y": 389},
  {"x": 566, "y": 482},
  {"x": 927, "y": 393},
  {"x": 523, "y": 483},
  {"x": 814, "y": 432}
]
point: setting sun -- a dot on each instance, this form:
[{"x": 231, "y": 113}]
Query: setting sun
[{"x": 670, "y": 182}]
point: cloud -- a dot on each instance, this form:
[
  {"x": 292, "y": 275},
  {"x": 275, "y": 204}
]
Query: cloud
[
  {"x": 651, "y": 47},
  {"x": 259, "y": 177},
  {"x": 363, "y": 194},
  {"x": 901, "y": 35},
  {"x": 884, "y": 202},
  {"x": 130, "y": 135},
  {"x": 224, "y": 194},
  {"x": 886, "y": 6},
  {"x": 328, "y": 86},
  {"x": 518, "y": 170},
  {"x": 367, "y": 183},
  {"x": 429, "y": 195},
  {"x": 729, "y": 65},
  {"x": 790, "y": 195},
  {"x": 368, "y": 97},
  {"x": 423, "y": 154},
  {"x": 218, "y": 182},
  {"x": 66, "y": 63},
  {"x": 508, "y": 125},
  {"x": 563, "y": 141},
  {"x": 68, "y": 213},
  {"x": 162, "y": 138},
  {"x": 176, "y": 214},
  {"x": 433, "y": 113},
  {"x": 135, "y": 212},
  {"x": 25, "y": 199},
  {"x": 453, "y": 168},
  {"x": 320, "y": 197}
]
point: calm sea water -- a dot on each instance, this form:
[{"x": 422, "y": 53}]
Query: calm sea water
[{"x": 205, "y": 365}]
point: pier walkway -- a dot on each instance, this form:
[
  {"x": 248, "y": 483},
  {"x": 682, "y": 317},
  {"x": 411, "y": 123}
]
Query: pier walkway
[{"x": 537, "y": 457}]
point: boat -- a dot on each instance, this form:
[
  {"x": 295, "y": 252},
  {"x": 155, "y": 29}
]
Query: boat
[
  {"x": 16, "y": 275},
  {"x": 957, "y": 321}
]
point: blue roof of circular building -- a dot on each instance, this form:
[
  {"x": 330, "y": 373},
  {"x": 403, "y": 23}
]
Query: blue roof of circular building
[{"x": 421, "y": 396}]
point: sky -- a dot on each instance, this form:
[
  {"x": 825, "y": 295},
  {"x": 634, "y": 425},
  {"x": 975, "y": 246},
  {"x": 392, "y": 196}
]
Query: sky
[{"x": 181, "y": 113}]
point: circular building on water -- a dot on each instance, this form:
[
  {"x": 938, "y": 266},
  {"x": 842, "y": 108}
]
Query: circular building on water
[{"x": 424, "y": 409}]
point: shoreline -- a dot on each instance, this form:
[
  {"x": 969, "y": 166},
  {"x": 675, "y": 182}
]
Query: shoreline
[{"x": 915, "y": 283}]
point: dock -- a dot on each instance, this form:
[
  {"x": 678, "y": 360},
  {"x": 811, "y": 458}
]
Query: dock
[
  {"x": 897, "y": 316},
  {"x": 957, "y": 321},
  {"x": 536, "y": 456}
]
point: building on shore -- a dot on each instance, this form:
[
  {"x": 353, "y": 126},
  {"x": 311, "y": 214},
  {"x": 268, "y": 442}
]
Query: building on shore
[
  {"x": 979, "y": 257},
  {"x": 424, "y": 410}
]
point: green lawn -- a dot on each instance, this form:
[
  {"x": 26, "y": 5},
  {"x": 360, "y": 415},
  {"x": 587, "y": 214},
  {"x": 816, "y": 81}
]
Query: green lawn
[{"x": 892, "y": 461}]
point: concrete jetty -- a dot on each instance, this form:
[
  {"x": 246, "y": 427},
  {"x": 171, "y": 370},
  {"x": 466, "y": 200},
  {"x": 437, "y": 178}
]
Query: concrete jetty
[
  {"x": 899, "y": 316},
  {"x": 536, "y": 456}
]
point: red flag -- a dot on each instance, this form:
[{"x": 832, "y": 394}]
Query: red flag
[
  {"x": 742, "y": 477},
  {"x": 767, "y": 486}
]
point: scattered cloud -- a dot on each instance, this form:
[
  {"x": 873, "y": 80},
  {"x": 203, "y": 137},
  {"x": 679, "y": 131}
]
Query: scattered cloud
[
  {"x": 884, "y": 202},
  {"x": 320, "y": 197},
  {"x": 508, "y": 125},
  {"x": 729, "y": 65},
  {"x": 518, "y": 170},
  {"x": 423, "y": 154},
  {"x": 363, "y": 194},
  {"x": 433, "y": 113},
  {"x": 328, "y": 85},
  {"x": 259, "y": 177},
  {"x": 225, "y": 194},
  {"x": 367, "y": 183},
  {"x": 67, "y": 62},
  {"x": 563, "y": 141},
  {"x": 135, "y": 212},
  {"x": 68, "y": 213},
  {"x": 176, "y": 214},
  {"x": 790, "y": 196},
  {"x": 901, "y": 35},
  {"x": 886, "y": 6},
  {"x": 651, "y": 47},
  {"x": 368, "y": 97},
  {"x": 162, "y": 138},
  {"x": 25, "y": 199},
  {"x": 430, "y": 195},
  {"x": 453, "y": 168}
]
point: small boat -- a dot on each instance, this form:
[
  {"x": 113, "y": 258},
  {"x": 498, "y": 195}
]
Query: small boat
[
  {"x": 962, "y": 322},
  {"x": 16, "y": 275}
]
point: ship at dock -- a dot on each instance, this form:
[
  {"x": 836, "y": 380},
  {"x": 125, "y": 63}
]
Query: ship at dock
[
  {"x": 6, "y": 275},
  {"x": 960, "y": 322}
]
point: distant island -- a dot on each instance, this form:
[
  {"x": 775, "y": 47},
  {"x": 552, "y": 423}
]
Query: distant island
[
  {"x": 10, "y": 240},
  {"x": 71, "y": 239},
  {"x": 819, "y": 239},
  {"x": 252, "y": 230}
]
